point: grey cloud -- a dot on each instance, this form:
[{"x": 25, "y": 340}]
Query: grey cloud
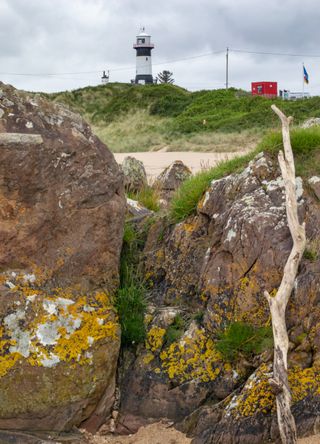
[{"x": 91, "y": 35}]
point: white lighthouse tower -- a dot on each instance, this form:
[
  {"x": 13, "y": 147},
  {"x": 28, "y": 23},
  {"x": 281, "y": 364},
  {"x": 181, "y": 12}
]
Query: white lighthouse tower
[{"x": 143, "y": 46}]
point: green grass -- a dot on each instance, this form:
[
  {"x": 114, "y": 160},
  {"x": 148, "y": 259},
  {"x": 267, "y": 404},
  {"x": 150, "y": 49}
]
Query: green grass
[
  {"x": 148, "y": 197},
  {"x": 130, "y": 299},
  {"x": 306, "y": 148},
  {"x": 241, "y": 339},
  {"x": 131, "y": 306}
]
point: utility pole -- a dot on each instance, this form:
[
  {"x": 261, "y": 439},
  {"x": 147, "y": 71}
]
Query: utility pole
[{"x": 227, "y": 68}]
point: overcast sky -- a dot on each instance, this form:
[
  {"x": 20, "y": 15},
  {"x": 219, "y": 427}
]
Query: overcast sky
[{"x": 83, "y": 37}]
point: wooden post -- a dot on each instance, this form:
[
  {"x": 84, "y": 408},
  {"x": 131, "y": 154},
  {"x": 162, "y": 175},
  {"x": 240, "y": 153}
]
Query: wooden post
[{"x": 278, "y": 303}]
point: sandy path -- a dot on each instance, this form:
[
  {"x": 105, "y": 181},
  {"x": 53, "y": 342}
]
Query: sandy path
[{"x": 156, "y": 162}]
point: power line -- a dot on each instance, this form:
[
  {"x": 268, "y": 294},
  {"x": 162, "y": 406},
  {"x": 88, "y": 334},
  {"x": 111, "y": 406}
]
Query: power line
[
  {"x": 281, "y": 54},
  {"x": 126, "y": 68}
]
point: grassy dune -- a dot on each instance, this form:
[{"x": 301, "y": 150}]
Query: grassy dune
[{"x": 152, "y": 117}]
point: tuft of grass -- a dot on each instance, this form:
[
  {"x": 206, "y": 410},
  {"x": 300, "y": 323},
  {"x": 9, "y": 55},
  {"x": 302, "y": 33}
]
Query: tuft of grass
[
  {"x": 131, "y": 307},
  {"x": 148, "y": 197},
  {"x": 312, "y": 251},
  {"x": 131, "y": 296},
  {"x": 243, "y": 339},
  {"x": 198, "y": 317},
  {"x": 305, "y": 145}
]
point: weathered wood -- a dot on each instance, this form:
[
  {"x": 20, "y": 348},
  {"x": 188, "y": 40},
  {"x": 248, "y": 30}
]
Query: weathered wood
[{"x": 278, "y": 303}]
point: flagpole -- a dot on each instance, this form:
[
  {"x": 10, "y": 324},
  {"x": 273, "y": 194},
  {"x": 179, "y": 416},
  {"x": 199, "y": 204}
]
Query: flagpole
[{"x": 302, "y": 80}]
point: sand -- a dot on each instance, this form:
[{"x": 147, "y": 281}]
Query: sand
[
  {"x": 158, "y": 433},
  {"x": 156, "y": 162},
  {"x": 162, "y": 433}
]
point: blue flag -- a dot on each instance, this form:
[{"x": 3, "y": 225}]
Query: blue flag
[{"x": 305, "y": 75}]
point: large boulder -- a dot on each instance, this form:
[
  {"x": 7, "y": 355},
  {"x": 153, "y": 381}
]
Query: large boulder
[
  {"x": 214, "y": 267},
  {"x": 61, "y": 224}
]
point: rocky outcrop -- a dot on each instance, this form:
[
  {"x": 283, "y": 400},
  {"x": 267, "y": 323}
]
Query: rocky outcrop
[
  {"x": 135, "y": 177},
  {"x": 211, "y": 270},
  {"x": 170, "y": 180},
  {"x": 62, "y": 210}
]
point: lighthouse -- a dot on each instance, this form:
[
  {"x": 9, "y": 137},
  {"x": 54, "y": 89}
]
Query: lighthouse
[{"x": 143, "y": 46}]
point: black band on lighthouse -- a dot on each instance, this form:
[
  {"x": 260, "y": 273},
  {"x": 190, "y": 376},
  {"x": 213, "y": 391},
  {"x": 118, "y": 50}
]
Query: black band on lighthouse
[
  {"x": 146, "y": 78},
  {"x": 143, "y": 52}
]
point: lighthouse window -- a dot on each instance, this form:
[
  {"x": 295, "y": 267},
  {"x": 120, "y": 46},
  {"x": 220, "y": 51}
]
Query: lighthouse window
[
  {"x": 140, "y": 41},
  {"x": 146, "y": 58}
]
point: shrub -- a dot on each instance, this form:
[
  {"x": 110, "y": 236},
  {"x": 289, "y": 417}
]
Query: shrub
[{"x": 240, "y": 338}]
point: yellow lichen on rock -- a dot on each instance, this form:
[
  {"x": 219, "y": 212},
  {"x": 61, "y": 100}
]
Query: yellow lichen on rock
[
  {"x": 155, "y": 338},
  {"x": 192, "y": 358},
  {"x": 257, "y": 396},
  {"x": 45, "y": 329}
]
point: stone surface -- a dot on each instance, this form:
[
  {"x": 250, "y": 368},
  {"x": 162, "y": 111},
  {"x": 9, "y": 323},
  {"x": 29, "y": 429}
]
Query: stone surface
[
  {"x": 62, "y": 211},
  {"x": 135, "y": 210},
  {"x": 313, "y": 121},
  {"x": 135, "y": 177},
  {"x": 215, "y": 266},
  {"x": 171, "y": 179},
  {"x": 249, "y": 415},
  {"x": 314, "y": 183}
]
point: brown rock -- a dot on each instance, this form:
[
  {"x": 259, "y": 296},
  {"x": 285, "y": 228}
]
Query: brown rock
[
  {"x": 135, "y": 176},
  {"x": 170, "y": 180},
  {"x": 217, "y": 263},
  {"x": 314, "y": 183},
  {"x": 62, "y": 210}
]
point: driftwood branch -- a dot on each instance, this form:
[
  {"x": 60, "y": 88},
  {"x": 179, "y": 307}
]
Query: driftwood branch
[{"x": 279, "y": 302}]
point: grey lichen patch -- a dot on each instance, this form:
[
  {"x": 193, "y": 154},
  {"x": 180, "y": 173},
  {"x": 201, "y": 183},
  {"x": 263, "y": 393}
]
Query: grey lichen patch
[
  {"x": 20, "y": 139},
  {"x": 21, "y": 338}
]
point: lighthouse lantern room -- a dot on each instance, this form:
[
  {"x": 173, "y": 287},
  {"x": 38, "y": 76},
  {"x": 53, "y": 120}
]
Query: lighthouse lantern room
[{"x": 143, "y": 47}]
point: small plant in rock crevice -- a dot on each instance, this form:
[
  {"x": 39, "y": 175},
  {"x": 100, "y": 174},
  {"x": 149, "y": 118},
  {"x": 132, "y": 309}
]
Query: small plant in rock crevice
[
  {"x": 131, "y": 295},
  {"x": 147, "y": 197},
  {"x": 241, "y": 339},
  {"x": 175, "y": 330}
]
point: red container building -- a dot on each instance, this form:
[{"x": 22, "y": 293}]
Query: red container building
[{"x": 266, "y": 89}]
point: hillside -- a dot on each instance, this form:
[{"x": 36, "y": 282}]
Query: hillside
[{"x": 152, "y": 117}]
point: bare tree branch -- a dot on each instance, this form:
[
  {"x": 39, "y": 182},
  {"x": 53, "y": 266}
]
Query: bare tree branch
[{"x": 278, "y": 303}]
